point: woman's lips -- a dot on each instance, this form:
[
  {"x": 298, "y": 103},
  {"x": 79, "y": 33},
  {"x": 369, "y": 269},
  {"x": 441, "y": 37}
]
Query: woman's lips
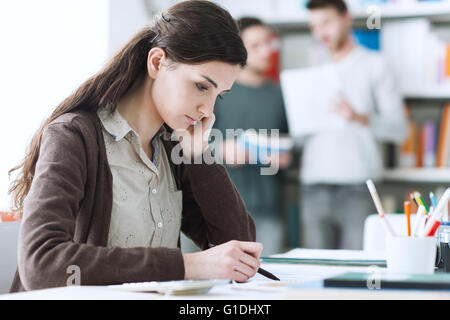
[{"x": 191, "y": 121}]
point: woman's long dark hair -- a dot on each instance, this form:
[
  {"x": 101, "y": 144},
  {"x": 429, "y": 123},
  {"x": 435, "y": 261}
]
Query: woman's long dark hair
[{"x": 190, "y": 32}]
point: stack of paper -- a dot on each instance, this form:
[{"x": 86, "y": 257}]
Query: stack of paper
[{"x": 329, "y": 257}]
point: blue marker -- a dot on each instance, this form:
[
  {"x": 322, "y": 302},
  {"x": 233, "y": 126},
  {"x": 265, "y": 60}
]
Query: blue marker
[{"x": 433, "y": 200}]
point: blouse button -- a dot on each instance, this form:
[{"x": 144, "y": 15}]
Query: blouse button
[{"x": 154, "y": 191}]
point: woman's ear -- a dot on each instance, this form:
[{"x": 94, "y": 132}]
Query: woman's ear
[{"x": 156, "y": 58}]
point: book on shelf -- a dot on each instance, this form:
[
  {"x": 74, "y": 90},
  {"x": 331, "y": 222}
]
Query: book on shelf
[
  {"x": 443, "y": 152},
  {"x": 368, "y": 38},
  {"x": 428, "y": 144},
  {"x": 417, "y": 54}
]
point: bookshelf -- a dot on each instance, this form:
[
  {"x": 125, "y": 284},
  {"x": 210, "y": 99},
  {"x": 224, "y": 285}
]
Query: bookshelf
[
  {"x": 425, "y": 98},
  {"x": 433, "y": 93},
  {"x": 418, "y": 175}
]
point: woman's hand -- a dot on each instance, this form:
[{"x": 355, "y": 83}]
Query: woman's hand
[
  {"x": 234, "y": 260},
  {"x": 194, "y": 140}
]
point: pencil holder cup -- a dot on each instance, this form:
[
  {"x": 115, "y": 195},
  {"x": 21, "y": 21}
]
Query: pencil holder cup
[{"x": 409, "y": 255}]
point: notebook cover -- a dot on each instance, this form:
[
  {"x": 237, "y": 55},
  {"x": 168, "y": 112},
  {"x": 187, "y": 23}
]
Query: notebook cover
[{"x": 439, "y": 281}]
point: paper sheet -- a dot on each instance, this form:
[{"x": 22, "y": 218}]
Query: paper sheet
[
  {"x": 291, "y": 275},
  {"x": 309, "y": 95},
  {"x": 300, "y": 253}
]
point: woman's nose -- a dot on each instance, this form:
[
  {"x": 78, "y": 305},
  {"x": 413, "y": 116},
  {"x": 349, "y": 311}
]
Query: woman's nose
[{"x": 206, "y": 109}]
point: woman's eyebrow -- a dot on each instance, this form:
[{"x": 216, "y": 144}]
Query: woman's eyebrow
[
  {"x": 214, "y": 84},
  {"x": 210, "y": 81}
]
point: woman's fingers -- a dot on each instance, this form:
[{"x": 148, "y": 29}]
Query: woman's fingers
[
  {"x": 250, "y": 261},
  {"x": 207, "y": 124},
  {"x": 245, "y": 257},
  {"x": 239, "y": 277},
  {"x": 252, "y": 248},
  {"x": 245, "y": 269},
  {"x": 194, "y": 139},
  {"x": 233, "y": 260}
]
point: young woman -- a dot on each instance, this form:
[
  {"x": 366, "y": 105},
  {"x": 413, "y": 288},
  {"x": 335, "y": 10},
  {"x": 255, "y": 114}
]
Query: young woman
[{"x": 98, "y": 189}]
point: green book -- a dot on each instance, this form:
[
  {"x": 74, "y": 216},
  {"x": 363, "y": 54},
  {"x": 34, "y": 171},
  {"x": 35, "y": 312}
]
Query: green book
[{"x": 437, "y": 281}]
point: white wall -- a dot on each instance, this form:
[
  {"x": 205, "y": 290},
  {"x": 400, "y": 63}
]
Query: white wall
[
  {"x": 126, "y": 17},
  {"x": 48, "y": 48}
]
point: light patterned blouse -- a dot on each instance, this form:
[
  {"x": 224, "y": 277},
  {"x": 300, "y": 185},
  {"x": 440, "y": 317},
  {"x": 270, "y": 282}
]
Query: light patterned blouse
[{"x": 147, "y": 207}]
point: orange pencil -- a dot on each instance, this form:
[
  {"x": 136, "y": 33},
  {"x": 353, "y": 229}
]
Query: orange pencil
[{"x": 407, "y": 206}]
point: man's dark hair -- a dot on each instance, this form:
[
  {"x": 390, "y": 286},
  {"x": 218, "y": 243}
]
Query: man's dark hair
[
  {"x": 247, "y": 22},
  {"x": 339, "y": 5}
]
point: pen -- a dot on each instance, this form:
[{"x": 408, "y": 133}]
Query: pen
[
  {"x": 443, "y": 201},
  {"x": 432, "y": 225},
  {"x": 420, "y": 219},
  {"x": 433, "y": 199},
  {"x": 434, "y": 222},
  {"x": 407, "y": 206},
  {"x": 261, "y": 271},
  {"x": 267, "y": 274},
  {"x": 377, "y": 201},
  {"x": 420, "y": 200},
  {"x": 414, "y": 200}
]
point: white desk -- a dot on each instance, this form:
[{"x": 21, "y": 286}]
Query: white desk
[{"x": 256, "y": 289}]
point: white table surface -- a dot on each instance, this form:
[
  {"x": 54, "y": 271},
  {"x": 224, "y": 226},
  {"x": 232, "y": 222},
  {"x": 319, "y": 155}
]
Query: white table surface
[{"x": 258, "y": 288}]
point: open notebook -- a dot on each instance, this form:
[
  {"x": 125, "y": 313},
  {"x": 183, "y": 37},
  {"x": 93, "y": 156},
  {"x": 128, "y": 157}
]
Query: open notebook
[
  {"x": 329, "y": 257},
  {"x": 178, "y": 287}
]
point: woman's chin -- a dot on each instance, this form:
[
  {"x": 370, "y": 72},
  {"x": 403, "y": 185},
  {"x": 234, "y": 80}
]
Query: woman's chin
[{"x": 177, "y": 126}]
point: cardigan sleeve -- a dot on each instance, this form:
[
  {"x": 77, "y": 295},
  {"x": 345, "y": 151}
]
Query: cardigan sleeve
[
  {"x": 47, "y": 251},
  {"x": 213, "y": 210}
]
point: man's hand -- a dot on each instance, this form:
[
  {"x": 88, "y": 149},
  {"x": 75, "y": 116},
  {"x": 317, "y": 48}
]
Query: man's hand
[{"x": 343, "y": 108}]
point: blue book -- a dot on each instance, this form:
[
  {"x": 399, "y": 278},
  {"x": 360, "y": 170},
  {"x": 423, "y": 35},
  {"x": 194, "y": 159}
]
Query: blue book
[{"x": 368, "y": 38}]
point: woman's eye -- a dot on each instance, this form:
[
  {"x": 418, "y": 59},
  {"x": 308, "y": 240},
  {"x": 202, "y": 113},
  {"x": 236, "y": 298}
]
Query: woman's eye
[
  {"x": 220, "y": 97},
  {"x": 201, "y": 87}
]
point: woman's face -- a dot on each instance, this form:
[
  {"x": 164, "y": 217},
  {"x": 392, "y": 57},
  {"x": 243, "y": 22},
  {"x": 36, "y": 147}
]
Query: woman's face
[
  {"x": 259, "y": 44},
  {"x": 184, "y": 94}
]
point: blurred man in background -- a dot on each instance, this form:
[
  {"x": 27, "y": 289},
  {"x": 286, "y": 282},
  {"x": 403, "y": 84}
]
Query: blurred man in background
[
  {"x": 337, "y": 161},
  {"x": 256, "y": 103}
]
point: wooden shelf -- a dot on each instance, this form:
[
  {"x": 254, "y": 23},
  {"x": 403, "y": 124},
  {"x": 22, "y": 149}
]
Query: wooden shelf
[
  {"x": 422, "y": 175},
  {"x": 434, "y": 93}
]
